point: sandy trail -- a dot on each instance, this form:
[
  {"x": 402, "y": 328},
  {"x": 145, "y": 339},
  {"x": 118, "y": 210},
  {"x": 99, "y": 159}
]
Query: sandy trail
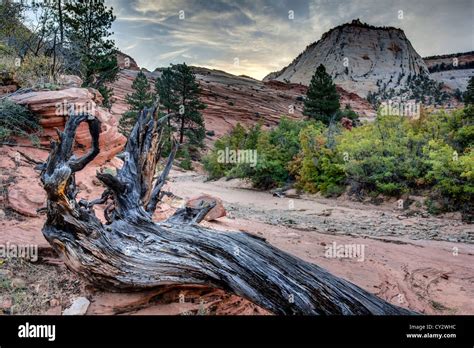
[{"x": 426, "y": 264}]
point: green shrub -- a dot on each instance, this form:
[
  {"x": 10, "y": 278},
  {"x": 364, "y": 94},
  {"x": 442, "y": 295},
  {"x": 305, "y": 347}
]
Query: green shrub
[
  {"x": 318, "y": 168},
  {"x": 186, "y": 164},
  {"x": 394, "y": 155},
  {"x": 270, "y": 170},
  {"x": 275, "y": 150},
  {"x": 460, "y": 128},
  {"x": 16, "y": 120},
  {"x": 184, "y": 158},
  {"x": 238, "y": 138},
  {"x": 451, "y": 175},
  {"x": 347, "y": 112},
  {"x": 384, "y": 156},
  {"x": 34, "y": 71}
]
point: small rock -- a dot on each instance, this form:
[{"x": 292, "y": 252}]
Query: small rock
[
  {"x": 18, "y": 283},
  {"x": 326, "y": 212},
  {"x": 291, "y": 193},
  {"x": 54, "y": 302},
  {"x": 215, "y": 213},
  {"x": 26, "y": 199},
  {"x": 81, "y": 186},
  {"x": 6, "y": 304},
  {"x": 70, "y": 81},
  {"x": 5, "y": 273},
  {"x": 78, "y": 307}
]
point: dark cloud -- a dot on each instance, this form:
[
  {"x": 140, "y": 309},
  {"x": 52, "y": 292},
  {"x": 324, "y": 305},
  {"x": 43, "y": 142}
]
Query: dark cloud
[{"x": 254, "y": 37}]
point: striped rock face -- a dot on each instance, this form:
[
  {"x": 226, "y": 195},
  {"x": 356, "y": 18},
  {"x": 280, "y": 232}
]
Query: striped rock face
[
  {"x": 232, "y": 99},
  {"x": 52, "y": 107}
]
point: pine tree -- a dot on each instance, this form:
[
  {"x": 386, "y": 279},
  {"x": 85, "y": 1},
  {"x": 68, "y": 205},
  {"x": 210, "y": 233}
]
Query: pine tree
[
  {"x": 322, "y": 99},
  {"x": 187, "y": 106},
  {"x": 468, "y": 96},
  {"x": 141, "y": 98},
  {"x": 87, "y": 26},
  {"x": 168, "y": 101},
  {"x": 164, "y": 89}
]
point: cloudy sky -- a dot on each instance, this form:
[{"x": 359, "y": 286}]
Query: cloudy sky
[{"x": 255, "y": 37}]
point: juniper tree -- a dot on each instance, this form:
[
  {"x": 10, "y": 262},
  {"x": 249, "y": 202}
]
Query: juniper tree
[
  {"x": 141, "y": 98},
  {"x": 322, "y": 99}
]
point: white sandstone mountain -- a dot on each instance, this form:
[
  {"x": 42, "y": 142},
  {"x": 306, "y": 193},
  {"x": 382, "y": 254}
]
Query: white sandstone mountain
[{"x": 359, "y": 57}]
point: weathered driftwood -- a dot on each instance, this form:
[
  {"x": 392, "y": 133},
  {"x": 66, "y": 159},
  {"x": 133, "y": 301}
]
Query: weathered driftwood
[{"x": 131, "y": 252}]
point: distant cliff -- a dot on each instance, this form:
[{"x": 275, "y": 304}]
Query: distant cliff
[{"x": 454, "y": 70}]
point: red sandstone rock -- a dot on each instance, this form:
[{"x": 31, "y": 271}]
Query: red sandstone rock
[
  {"x": 126, "y": 62},
  {"x": 52, "y": 108},
  {"x": 25, "y": 199},
  {"x": 215, "y": 213},
  {"x": 360, "y": 105},
  {"x": 177, "y": 300}
]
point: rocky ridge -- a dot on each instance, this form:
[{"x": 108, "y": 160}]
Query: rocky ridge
[{"x": 234, "y": 99}]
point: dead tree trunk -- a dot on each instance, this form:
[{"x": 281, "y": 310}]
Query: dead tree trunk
[{"x": 131, "y": 252}]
